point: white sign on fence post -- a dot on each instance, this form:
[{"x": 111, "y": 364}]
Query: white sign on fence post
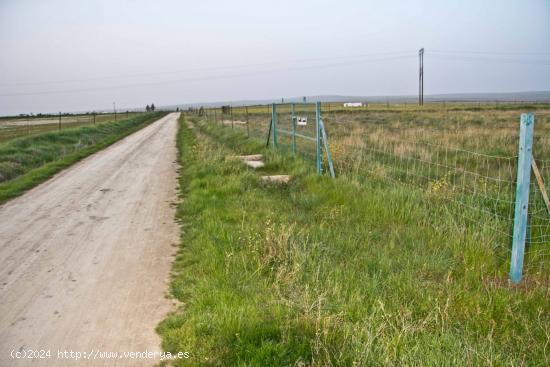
[{"x": 302, "y": 121}]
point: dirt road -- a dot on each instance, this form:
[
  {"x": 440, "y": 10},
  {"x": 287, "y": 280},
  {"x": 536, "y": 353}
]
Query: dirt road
[{"x": 85, "y": 257}]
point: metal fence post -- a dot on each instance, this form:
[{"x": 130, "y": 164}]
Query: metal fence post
[
  {"x": 293, "y": 119},
  {"x": 274, "y": 123},
  {"x": 247, "y": 128},
  {"x": 231, "y": 113},
  {"x": 522, "y": 195},
  {"x": 327, "y": 149},
  {"x": 59, "y": 121},
  {"x": 318, "y": 136}
]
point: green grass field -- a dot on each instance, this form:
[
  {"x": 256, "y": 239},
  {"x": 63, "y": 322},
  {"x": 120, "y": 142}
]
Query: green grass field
[
  {"x": 463, "y": 156},
  {"x": 30, "y": 160},
  {"x": 344, "y": 272},
  {"x": 15, "y": 127}
]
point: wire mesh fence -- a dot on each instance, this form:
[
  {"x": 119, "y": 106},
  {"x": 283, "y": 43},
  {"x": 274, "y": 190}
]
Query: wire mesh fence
[
  {"x": 469, "y": 163},
  {"x": 465, "y": 160},
  {"x": 296, "y": 129},
  {"x": 538, "y": 229},
  {"x": 251, "y": 120}
]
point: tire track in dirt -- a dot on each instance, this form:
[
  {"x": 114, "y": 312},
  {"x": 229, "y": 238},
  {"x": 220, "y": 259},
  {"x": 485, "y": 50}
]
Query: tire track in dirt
[{"x": 85, "y": 257}]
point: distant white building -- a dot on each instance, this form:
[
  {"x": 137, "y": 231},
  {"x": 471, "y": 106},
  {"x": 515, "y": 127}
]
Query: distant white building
[{"x": 353, "y": 104}]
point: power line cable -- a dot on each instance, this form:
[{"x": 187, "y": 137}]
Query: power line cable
[
  {"x": 490, "y": 52},
  {"x": 492, "y": 59},
  {"x": 191, "y": 70},
  {"x": 205, "y": 78}
]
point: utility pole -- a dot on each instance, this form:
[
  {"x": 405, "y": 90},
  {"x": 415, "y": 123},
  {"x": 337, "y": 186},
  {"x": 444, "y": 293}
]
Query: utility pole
[
  {"x": 114, "y": 108},
  {"x": 421, "y": 77}
]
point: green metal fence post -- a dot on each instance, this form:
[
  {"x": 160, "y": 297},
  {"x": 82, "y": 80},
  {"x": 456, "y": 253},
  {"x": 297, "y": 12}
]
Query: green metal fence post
[
  {"x": 293, "y": 119},
  {"x": 269, "y": 134},
  {"x": 247, "y": 128},
  {"x": 522, "y": 195},
  {"x": 318, "y": 137},
  {"x": 274, "y": 123}
]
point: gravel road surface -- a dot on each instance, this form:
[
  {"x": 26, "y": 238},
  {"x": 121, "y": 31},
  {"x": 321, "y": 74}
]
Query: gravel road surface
[{"x": 85, "y": 257}]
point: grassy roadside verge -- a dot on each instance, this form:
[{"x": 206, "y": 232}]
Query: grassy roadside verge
[
  {"x": 324, "y": 272},
  {"x": 28, "y": 161}
]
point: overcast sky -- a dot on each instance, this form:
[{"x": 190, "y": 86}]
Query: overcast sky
[{"x": 67, "y": 55}]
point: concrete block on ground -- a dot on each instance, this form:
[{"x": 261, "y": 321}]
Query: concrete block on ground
[
  {"x": 254, "y": 164},
  {"x": 251, "y": 157},
  {"x": 280, "y": 179}
]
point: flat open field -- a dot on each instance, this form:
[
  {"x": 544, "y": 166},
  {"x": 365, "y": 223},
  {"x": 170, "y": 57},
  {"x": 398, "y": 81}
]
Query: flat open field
[
  {"x": 85, "y": 256},
  {"x": 401, "y": 260},
  {"x": 11, "y": 128},
  {"x": 463, "y": 154}
]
